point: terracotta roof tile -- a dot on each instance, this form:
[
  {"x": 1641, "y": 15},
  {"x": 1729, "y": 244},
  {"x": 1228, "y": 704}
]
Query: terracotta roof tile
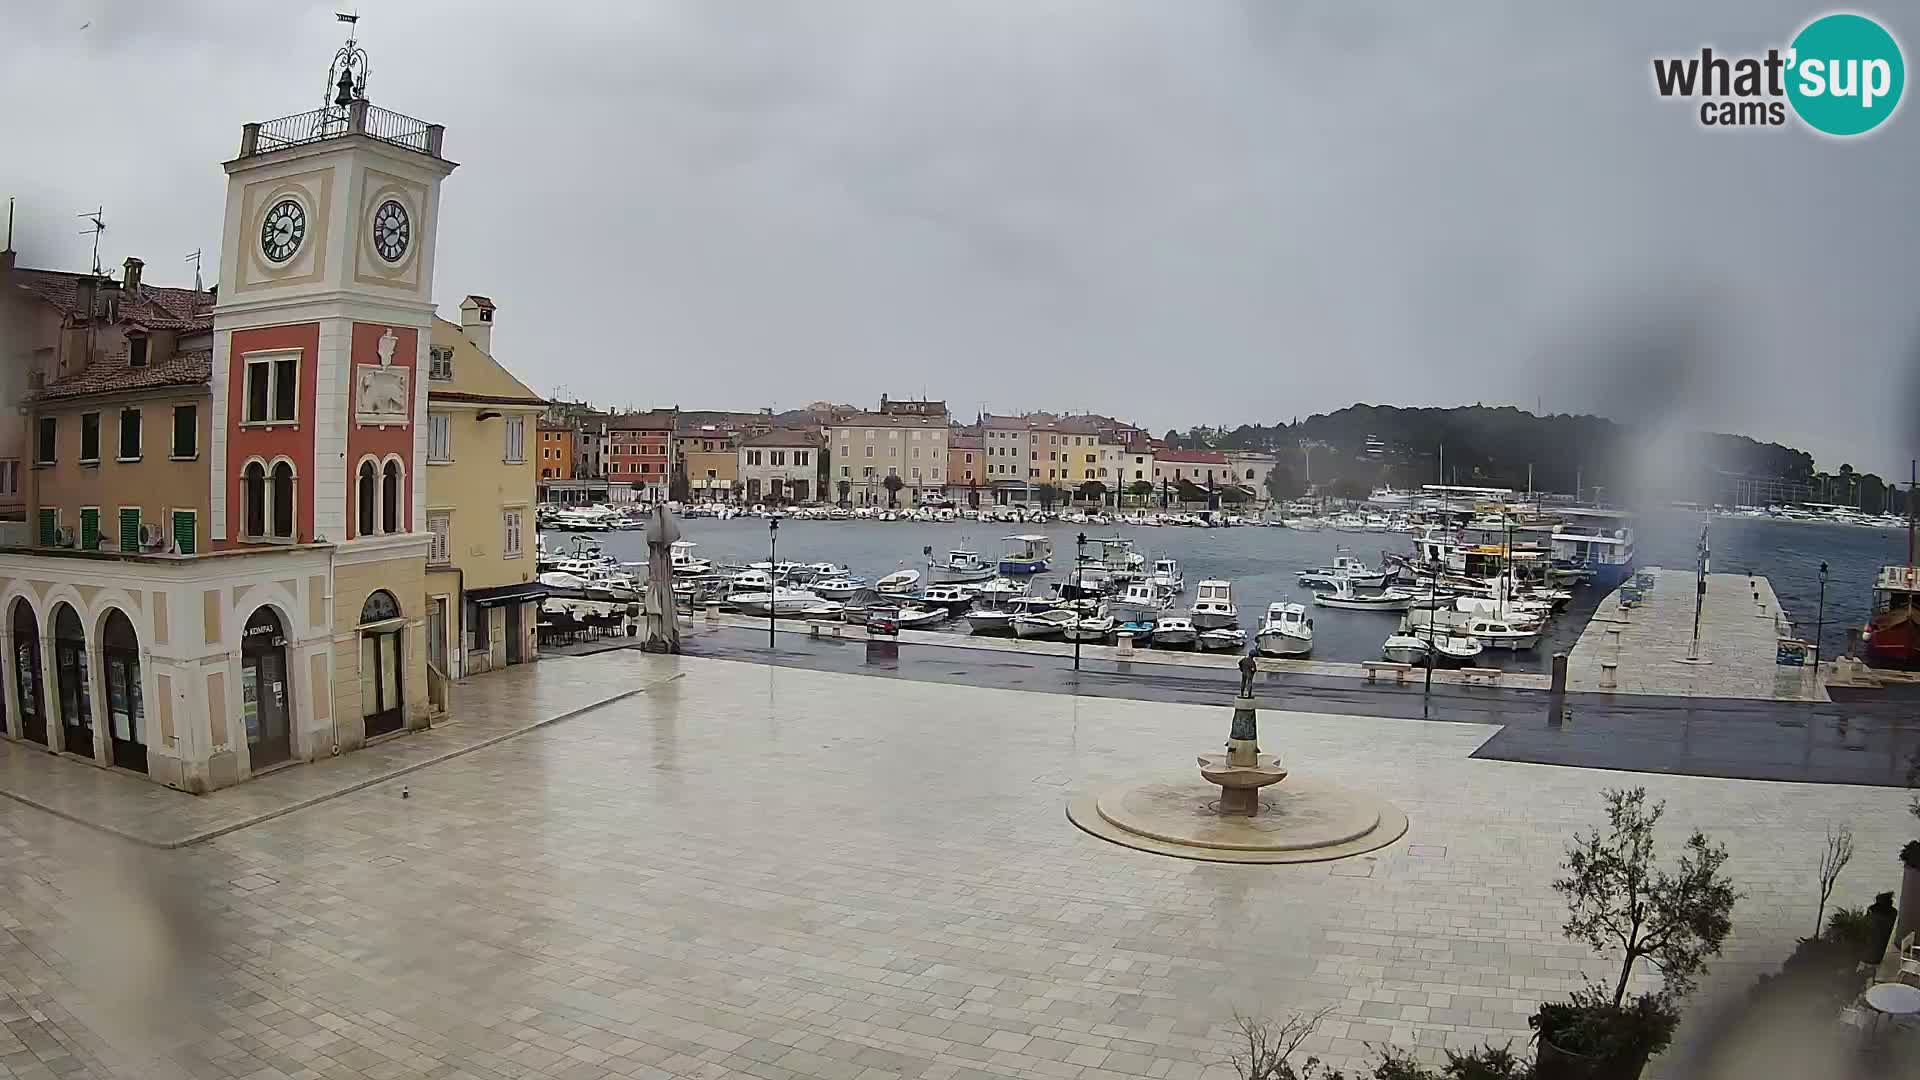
[
  {"x": 108, "y": 377},
  {"x": 149, "y": 307}
]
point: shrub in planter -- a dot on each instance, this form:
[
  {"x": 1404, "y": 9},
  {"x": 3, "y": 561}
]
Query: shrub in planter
[
  {"x": 1619, "y": 901},
  {"x": 1910, "y": 855},
  {"x": 1486, "y": 1063},
  {"x": 1883, "y": 915}
]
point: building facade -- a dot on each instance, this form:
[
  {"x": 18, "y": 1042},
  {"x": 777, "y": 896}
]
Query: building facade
[
  {"x": 291, "y": 627},
  {"x": 907, "y": 441},
  {"x": 967, "y": 481},
  {"x": 556, "y": 452},
  {"x": 639, "y": 454},
  {"x": 780, "y": 467},
  {"x": 483, "y": 590}
]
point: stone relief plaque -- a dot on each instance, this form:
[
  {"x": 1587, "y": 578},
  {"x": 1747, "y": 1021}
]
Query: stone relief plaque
[{"x": 380, "y": 390}]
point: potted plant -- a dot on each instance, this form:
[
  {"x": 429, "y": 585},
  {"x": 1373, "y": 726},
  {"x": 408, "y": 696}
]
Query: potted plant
[
  {"x": 1883, "y": 915},
  {"x": 1909, "y": 890},
  {"x": 1620, "y": 901}
]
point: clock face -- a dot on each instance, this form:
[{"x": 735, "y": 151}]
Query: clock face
[
  {"x": 282, "y": 231},
  {"x": 391, "y": 231}
]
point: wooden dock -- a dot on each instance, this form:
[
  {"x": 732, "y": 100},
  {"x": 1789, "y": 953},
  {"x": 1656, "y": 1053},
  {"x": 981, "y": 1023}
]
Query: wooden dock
[{"x": 1741, "y": 623}]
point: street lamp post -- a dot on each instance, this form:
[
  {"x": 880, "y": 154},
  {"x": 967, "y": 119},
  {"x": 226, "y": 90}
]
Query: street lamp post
[
  {"x": 1079, "y": 572},
  {"x": 1433, "y": 583},
  {"x": 773, "y": 561},
  {"x": 1820, "y": 619}
]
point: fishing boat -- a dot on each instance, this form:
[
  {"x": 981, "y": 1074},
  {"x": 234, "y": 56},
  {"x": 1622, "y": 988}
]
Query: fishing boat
[
  {"x": 782, "y": 601},
  {"x": 997, "y": 591},
  {"x": 1495, "y": 634},
  {"x": 838, "y": 588},
  {"x": 954, "y": 599},
  {"x": 680, "y": 557},
  {"x": 1406, "y": 649},
  {"x": 1213, "y": 605},
  {"x": 1597, "y": 541},
  {"x": 1455, "y": 649},
  {"x": 912, "y": 617},
  {"x": 1140, "y": 601},
  {"x": 997, "y": 617},
  {"x": 861, "y": 603},
  {"x": 1343, "y": 596},
  {"x": 1166, "y": 577},
  {"x": 1049, "y": 623},
  {"x": 1286, "y": 632},
  {"x": 1030, "y": 553},
  {"x": 825, "y": 609},
  {"x": 1892, "y": 634},
  {"x": 1140, "y": 630},
  {"x": 1173, "y": 630},
  {"x": 1093, "y": 628},
  {"x": 963, "y": 566},
  {"x": 899, "y": 583},
  {"x": 1223, "y": 639},
  {"x": 1345, "y": 566}
]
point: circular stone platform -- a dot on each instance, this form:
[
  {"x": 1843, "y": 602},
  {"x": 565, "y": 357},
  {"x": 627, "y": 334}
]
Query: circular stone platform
[{"x": 1301, "y": 820}]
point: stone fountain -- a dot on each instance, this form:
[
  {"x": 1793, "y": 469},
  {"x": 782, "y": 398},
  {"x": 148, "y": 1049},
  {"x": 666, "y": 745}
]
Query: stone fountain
[{"x": 1238, "y": 809}]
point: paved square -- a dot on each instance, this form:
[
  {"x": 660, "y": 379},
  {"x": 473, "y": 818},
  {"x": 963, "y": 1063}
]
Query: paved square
[{"x": 779, "y": 873}]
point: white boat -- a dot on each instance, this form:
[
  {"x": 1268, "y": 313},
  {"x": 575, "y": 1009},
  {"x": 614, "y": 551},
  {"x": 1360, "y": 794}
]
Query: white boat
[
  {"x": 825, "y": 609},
  {"x": 1167, "y": 578},
  {"x": 1223, "y": 639},
  {"x": 1405, "y": 649},
  {"x": 1495, "y": 634},
  {"x": 680, "y": 554},
  {"x": 839, "y": 588},
  {"x": 784, "y": 601},
  {"x": 1140, "y": 601},
  {"x": 563, "y": 581},
  {"x": 1173, "y": 630},
  {"x": 999, "y": 590},
  {"x": 996, "y": 617},
  {"x": 1031, "y": 553},
  {"x": 1213, "y": 606},
  {"x": 1094, "y": 628},
  {"x": 752, "y": 581},
  {"x": 899, "y": 583},
  {"x": 953, "y": 598},
  {"x": 963, "y": 566},
  {"x": 1287, "y": 631},
  {"x": 1050, "y": 623},
  {"x": 1358, "y": 573},
  {"x": 1343, "y": 596},
  {"x": 1457, "y": 649},
  {"x": 911, "y": 617}
]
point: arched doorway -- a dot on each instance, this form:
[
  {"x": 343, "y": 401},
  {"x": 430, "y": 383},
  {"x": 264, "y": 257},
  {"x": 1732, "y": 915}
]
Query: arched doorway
[
  {"x": 27, "y": 672},
  {"x": 70, "y": 679},
  {"x": 380, "y": 652},
  {"x": 263, "y": 690},
  {"x": 126, "y": 711}
]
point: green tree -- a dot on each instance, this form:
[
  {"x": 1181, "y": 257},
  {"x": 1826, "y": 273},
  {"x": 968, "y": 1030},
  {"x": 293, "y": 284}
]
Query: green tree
[
  {"x": 1282, "y": 484},
  {"x": 973, "y": 494},
  {"x": 1140, "y": 489},
  {"x": 679, "y": 488},
  {"x": 1092, "y": 491},
  {"x": 893, "y": 484},
  {"x": 1046, "y": 493},
  {"x": 846, "y": 488},
  {"x": 825, "y": 469},
  {"x": 1619, "y": 900},
  {"x": 1235, "y": 494}
]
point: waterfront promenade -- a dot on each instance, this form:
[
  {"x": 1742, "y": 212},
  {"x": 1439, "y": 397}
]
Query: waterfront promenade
[
  {"x": 1741, "y": 622},
  {"x": 757, "y": 870}
]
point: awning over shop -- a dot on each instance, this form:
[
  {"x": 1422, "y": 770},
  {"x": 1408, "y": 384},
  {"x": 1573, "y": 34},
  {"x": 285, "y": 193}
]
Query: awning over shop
[{"x": 507, "y": 594}]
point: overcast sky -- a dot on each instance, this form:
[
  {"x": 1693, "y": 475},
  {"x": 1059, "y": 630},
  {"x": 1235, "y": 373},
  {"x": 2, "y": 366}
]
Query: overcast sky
[{"x": 1180, "y": 212}]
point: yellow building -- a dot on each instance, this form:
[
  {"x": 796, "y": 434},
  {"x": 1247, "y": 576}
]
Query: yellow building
[{"x": 483, "y": 583}]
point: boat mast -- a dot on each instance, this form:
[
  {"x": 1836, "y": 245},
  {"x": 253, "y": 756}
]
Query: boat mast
[{"x": 1913, "y": 475}]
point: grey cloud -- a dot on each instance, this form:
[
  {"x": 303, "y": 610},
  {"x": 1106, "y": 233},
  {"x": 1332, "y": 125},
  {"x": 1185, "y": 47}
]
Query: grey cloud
[{"x": 1181, "y": 212}]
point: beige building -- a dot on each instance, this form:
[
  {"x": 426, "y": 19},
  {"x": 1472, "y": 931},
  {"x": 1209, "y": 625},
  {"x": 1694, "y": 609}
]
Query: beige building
[
  {"x": 482, "y": 580},
  {"x": 781, "y": 466},
  {"x": 906, "y": 439}
]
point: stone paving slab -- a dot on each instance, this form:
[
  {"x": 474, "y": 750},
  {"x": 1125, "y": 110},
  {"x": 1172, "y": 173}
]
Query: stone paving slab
[
  {"x": 486, "y": 709},
  {"x": 796, "y": 875},
  {"x": 1738, "y": 641}
]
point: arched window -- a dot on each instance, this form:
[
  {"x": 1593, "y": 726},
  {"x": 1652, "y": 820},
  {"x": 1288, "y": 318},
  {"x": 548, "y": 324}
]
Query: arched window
[
  {"x": 368, "y": 495},
  {"x": 390, "y": 499},
  {"x": 380, "y": 606},
  {"x": 282, "y": 499},
  {"x": 253, "y": 499}
]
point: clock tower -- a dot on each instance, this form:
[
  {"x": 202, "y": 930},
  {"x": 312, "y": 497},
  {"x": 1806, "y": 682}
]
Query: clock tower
[{"x": 322, "y": 326}]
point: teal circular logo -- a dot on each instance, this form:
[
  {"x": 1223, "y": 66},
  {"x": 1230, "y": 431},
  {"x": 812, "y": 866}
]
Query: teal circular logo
[{"x": 1845, "y": 74}]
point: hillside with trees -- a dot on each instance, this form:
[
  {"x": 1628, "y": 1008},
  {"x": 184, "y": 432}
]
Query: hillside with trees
[{"x": 1356, "y": 449}]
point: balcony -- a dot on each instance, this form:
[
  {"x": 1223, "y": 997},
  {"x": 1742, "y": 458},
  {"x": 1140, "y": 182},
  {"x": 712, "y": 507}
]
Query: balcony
[{"x": 359, "y": 118}]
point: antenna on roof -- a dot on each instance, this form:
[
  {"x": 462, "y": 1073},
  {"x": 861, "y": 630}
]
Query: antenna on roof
[
  {"x": 194, "y": 258},
  {"x": 99, "y": 226}
]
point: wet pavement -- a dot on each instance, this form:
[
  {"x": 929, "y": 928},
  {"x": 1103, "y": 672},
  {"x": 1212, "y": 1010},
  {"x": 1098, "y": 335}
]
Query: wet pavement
[
  {"x": 1852, "y": 742},
  {"x": 794, "y": 874}
]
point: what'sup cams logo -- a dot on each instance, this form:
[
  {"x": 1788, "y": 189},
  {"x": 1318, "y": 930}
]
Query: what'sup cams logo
[{"x": 1842, "y": 76}]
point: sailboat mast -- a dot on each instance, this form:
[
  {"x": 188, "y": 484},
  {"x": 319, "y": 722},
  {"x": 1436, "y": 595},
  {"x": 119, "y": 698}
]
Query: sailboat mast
[{"x": 1913, "y": 475}]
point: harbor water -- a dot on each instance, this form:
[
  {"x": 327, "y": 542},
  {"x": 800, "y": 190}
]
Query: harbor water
[{"x": 1261, "y": 564}]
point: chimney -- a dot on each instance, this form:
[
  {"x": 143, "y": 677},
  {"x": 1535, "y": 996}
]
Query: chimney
[
  {"x": 476, "y": 321},
  {"x": 131, "y": 278}
]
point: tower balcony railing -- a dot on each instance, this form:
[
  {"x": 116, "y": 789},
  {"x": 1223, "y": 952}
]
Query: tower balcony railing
[{"x": 359, "y": 118}]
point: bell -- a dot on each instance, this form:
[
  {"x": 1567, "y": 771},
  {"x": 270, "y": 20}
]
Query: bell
[{"x": 345, "y": 97}]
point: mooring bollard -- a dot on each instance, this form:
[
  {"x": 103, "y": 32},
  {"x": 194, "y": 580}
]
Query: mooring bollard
[
  {"x": 1613, "y": 643},
  {"x": 1609, "y": 675},
  {"x": 1123, "y": 645},
  {"x": 713, "y": 613}
]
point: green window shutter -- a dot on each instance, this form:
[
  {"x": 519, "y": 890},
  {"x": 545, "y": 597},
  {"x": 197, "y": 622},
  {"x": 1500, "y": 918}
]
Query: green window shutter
[
  {"x": 183, "y": 531},
  {"x": 89, "y": 530},
  {"x": 49, "y": 521},
  {"x": 130, "y": 529}
]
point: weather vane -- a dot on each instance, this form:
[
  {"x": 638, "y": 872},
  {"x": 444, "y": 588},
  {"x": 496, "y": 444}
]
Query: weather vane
[{"x": 344, "y": 87}]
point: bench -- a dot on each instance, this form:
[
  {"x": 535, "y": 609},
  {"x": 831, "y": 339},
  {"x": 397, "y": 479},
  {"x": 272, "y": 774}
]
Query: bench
[
  {"x": 1491, "y": 674},
  {"x": 1375, "y": 667},
  {"x": 815, "y": 628}
]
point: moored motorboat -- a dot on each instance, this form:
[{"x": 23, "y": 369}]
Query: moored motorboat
[
  {"x": 1140, "y": 601},
  {"x": 1093, "y": 628},
  {"x": 1343, "y": 596},
  {"x": 963, "y": 566},
  {"x": 1405, "y": 649},
  {"x": 1173, "y": 630},
  {"x": 1286, "y": 632},
  {"x": 954, "y": 599},
  {"x": 1030, "y": 553},
  {"x": 1213, "y": 606},
  {"x": 1355, "y": 572},
  {"x": 839, "y": 588},
  {"x": 1139, "y": 630},
  {"x": 782, "y": 600},
  {"x": 901, "y": 582},
  {"x": 1049, "y": 623},
  {"x": 1166, "y": 577},
  {"x": 1226, "y": 638}
]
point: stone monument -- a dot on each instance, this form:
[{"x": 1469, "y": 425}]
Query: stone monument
[{"x": 1243, "y": 770}]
